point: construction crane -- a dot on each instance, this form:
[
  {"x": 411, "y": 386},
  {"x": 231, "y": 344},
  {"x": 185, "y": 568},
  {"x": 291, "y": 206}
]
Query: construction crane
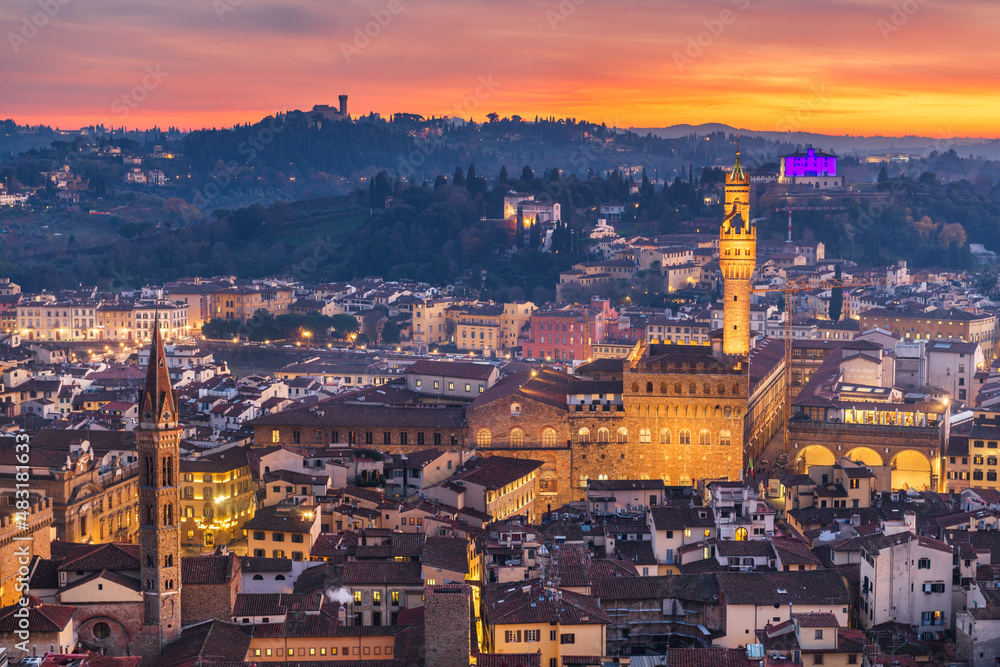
[
  {"x": 805, "y": 208},
  {"x": 790, "y": 289}
]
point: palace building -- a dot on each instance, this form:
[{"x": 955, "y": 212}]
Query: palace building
[{"x": 679, "y": 413}]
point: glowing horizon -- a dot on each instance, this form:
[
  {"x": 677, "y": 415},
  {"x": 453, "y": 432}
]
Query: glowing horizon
[{"x": 859, "y": 67}]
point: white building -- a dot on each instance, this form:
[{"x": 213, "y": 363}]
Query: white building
[{"x": 906, "y": 579}]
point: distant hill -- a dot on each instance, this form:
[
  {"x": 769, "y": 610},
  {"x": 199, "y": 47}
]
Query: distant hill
[{"x": 843, "y": 144}]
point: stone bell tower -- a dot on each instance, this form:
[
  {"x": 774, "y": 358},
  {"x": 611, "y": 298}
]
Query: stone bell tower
[
  {"x": 158, "y": 443},
  {"x": 737, "y": 259}
]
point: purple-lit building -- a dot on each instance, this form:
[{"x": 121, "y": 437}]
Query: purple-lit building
[{"x": 810, "y": 162}]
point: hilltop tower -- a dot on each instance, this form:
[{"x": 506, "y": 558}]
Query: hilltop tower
[
  {"x": 737, "y": 259},
  {"x": 158, "y": 443}
]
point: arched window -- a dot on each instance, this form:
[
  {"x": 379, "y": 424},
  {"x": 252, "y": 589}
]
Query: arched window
[
  {"x": 643, "y": 475},
  {"x": 517, "y": 437},
  {"x": 704, "y": 437},
  {"x": 603, "y": 435},
  {"x": 741, "y": 535},
  {"x": 685, "y": 480},
  {"x": 645, "y": 435},
  {"x": 664, "y": 436},
  {"x": 692, "y": 389},
  {"x": 666, "y": 480},
  {"x": 548, "y": 437},
  {"x": 684, "y": 437},
  {"x": 622, "y": 435},
  {"x": 515, "y": 409},
  {"x": 584, "y": 435},
  {"x": 725, "y": 437},
  {"x": 258, "y": 577},
  {"x": 484, "y": 438},
  {"x": 707, "y": 390},
  {"x": 677, "y": 388},
  {"x": 736, "y": 389},
  {"x": 280, "y": 577},
  {"x": 649, "y": 387},
  {"x": 722, "y": 389},
  {"x": 635, "y": 387}
]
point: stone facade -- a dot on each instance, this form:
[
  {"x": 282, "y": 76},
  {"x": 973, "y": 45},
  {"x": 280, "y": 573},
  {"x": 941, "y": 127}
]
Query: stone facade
[
  {"x": 20, "y": 541},
  {"x": 204, "y": 601},
  {"x": 447, "y": 616},
  {"x": 123, "y": 619},
  {"x": 158, "y": 443}
]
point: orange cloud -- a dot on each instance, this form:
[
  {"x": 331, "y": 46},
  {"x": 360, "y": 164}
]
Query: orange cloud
[{"x": 841, "y": 66}]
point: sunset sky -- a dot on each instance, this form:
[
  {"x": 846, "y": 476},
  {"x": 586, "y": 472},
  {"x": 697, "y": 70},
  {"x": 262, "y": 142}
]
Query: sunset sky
[{"x": 929, "y": 67}]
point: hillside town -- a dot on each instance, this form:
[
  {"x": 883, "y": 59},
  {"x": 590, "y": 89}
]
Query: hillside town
[{"x": 792, "y": 463}]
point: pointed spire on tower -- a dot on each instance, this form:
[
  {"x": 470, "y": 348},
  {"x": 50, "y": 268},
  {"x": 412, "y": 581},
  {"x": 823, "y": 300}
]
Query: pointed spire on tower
[
  {"x": 737, "y": 174},
  {"x": 157, "y": 402}
]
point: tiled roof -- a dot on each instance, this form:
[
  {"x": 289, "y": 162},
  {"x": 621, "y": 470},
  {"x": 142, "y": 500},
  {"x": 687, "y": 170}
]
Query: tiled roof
[
  {"x": 44, "y": 574},
  {"x": 794, "y": 552},
  {"x": 91, "y": 557},
  {"x": 875, "y": 543},
  {"x": 679, "y": 518},
  {"x": 782, "y": 588},
  {"x": 275, "y": 604},
  {"x": 816, "y": 620},
  {"x": 212, "y": 642},
  {"x": 114, "y": 577},
  {"x": 274, "y": 519},
  {"x": 637, "y": 552},
  {"x": 544, "y": 386},
  {"x": 496, "y": 472},
  {"x": 317, "y": 579},
  {"x": 208, "y": 569},
  {"x": 298, "y": 625},
  {"x": 758, "y": 548},
  {"x": 707, "y": 657},
  {"x": 41, "y": 617},
  {"x": 382, "y": 573},
  {"x": 457, "y": 369},
  {"x": 332, "y": 413},
  {"x": 509, "y": 604},
  {"x": 231, "y": 459},
  {"x": 446, "y": 553},
  {"x": 254, "y": 564}
]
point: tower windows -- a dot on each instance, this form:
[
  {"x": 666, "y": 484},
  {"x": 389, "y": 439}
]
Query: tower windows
[
  {"x": 645, "y": 435},
  {"x": 622, "y": 435},
  {"x": 704, "y": 437},
  {"x": 649, "y": 387},
  {"x": 725, "y": 437},
  {"x": 684, "y": 437},
  {"x": 603, "y": 435},
  {"x": 664, "y": 436}
]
